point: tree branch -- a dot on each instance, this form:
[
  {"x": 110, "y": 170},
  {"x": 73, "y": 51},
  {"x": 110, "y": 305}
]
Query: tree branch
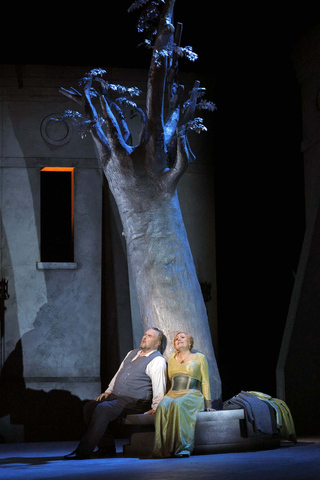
[
  {"x": 101, "y": 143},
  {"x": 114, "y": 134},
  {"x": 173, "y": 70},
  {"x": 117, "y": 111},
  {"x": 143, "y": 136},
  {"x": 158, "y": 72},
  {"x": 189, "y": 114},
  {"x": 171, "y": 177},
  {"x": 95, "y": 128},
  {"x": 88, "y": 105},
  {"x": 73, "y": 94},
  {"x": 173, "y": 120}
]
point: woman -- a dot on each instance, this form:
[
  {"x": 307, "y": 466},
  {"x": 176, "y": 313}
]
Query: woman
[{"x": 176, "y": 414}]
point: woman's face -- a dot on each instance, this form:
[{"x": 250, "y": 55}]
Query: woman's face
[{"x": 181, "y": 341}]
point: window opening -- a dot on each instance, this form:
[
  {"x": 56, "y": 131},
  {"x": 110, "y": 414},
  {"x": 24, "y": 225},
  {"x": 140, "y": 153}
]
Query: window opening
[{"x": 57, "y": 214}]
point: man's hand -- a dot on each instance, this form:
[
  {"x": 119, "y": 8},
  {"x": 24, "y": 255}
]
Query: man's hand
[
  {"x": 101, "y": 397},
  {"x": 150, "y": 412}
]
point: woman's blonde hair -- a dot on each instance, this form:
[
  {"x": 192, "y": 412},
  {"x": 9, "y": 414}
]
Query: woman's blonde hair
[{"x": 189, "y": 337}]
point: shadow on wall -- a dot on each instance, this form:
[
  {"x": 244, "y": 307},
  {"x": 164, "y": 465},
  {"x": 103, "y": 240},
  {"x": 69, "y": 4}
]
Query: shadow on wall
[
  {"x": 45, "y": 416},
  {"x": 27, "y": 414}
]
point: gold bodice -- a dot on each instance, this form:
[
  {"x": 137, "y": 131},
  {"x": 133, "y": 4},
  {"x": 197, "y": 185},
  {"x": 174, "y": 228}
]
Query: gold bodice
[{"x": 196, "y": 367}]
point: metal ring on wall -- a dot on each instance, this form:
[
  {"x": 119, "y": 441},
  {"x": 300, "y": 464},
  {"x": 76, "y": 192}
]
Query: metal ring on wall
[{"x": 54, "y": 130}]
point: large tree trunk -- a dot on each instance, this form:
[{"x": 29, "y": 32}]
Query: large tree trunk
[{"x": 168, "y": 290}]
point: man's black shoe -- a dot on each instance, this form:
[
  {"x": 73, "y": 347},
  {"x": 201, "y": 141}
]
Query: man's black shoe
[
  {"x": 104, "y": 454},
  {"x": 76, "y": 456}
]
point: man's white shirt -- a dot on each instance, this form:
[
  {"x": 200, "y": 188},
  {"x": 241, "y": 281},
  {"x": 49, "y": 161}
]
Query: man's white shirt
[{"x": 156, "y": 370}]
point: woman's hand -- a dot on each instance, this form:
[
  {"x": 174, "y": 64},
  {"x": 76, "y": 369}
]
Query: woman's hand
[{"x": 207, "y": 404}]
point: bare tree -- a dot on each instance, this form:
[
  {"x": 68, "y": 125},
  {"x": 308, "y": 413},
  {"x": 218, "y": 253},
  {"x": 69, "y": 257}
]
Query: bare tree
[{"x": 143, "y": 179}]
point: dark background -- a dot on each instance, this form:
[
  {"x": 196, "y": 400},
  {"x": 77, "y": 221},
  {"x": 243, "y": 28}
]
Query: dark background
[{"x": 258, "y": 165}]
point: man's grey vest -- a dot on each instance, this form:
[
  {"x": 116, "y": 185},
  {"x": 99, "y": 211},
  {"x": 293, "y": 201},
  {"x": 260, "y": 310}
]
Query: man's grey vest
[{"x": 132, "y": 380}]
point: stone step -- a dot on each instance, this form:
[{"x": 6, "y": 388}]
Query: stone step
[{"x": 221, "y": 431}]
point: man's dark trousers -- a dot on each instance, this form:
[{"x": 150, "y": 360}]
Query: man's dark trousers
[{"x": 98, "y": 415}]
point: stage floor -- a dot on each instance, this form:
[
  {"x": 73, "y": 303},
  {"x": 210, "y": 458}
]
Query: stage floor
[{"x": 43, "y": 461}]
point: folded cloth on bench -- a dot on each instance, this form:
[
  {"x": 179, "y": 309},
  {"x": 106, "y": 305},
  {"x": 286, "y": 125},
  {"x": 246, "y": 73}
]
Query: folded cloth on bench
[
  {"x": 284, "y": 418},
  {"x": 260, "y": 416}
]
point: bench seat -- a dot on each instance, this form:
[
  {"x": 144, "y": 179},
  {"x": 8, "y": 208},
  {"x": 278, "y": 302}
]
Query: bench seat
[{"x": 216, "y": 432}]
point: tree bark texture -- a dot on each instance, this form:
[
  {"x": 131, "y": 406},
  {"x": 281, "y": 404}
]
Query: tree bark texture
[{"x": 168, "y": 290}]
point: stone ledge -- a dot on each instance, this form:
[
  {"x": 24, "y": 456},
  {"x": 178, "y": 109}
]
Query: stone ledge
[
  {"x": 57, "y": 266},
  {"x": 221, "y": 431}
]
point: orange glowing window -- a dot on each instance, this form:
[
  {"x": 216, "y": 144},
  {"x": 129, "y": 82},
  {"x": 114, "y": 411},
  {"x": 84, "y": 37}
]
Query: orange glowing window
[{"x": 57, "y": 214}]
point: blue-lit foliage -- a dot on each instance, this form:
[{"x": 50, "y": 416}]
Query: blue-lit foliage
[{"x": 180, "y": 116}]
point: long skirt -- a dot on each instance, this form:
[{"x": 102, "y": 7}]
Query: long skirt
[{"x": 175, "y": 423}]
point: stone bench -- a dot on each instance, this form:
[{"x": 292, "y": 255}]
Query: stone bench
[{"x": 221, "y": 431}]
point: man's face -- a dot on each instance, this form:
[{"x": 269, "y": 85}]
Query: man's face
[{"x": 150, "y": 341}]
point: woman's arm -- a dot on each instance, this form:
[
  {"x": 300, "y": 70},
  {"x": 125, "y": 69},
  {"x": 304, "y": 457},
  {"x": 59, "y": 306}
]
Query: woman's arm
[{"x": 205, "y": 383}]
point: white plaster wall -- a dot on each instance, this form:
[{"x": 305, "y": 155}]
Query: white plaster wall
[{"x": 56, "y": 313}]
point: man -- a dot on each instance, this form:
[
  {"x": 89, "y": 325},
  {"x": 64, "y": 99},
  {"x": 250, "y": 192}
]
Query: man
[{"x": 137, "y": 387}]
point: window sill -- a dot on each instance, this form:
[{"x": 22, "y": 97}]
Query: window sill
[{"x": 57, "y": 266}]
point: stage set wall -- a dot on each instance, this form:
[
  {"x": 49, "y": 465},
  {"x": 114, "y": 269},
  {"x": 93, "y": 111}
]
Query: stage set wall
[
  {"x": 298, "y": 370},
  {"x": 68, "y": 326}
]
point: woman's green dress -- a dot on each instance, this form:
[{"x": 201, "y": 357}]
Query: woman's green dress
[{"x": 176, "y": 414}]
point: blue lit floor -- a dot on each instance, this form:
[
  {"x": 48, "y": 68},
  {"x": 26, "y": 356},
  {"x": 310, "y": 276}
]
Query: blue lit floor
[{"x": 43, "y": 461}]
